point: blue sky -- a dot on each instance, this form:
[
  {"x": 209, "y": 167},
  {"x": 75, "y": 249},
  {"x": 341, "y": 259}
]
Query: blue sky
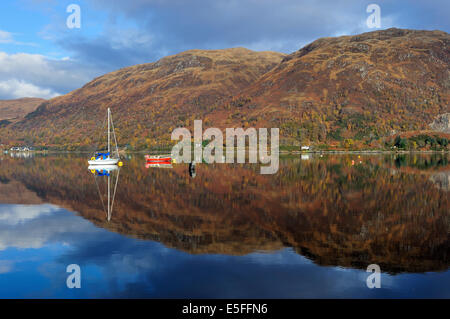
[{"x": 40, "y": 56}]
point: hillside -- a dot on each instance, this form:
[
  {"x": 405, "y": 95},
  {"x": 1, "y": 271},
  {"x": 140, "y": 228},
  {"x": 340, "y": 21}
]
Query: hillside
[
  {"x": 360, "y": 87},
  {"x": 360, "y": 90},
  {"x": 15, "y": 110},
  {"x": 148, "y": 101}
]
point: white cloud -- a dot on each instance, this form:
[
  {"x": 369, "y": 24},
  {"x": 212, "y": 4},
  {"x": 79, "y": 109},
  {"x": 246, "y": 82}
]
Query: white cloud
[
  {"x": 35, "y": 75},
  {"x": 6, "y": 37},
  {"x": 14, "y": 89}
]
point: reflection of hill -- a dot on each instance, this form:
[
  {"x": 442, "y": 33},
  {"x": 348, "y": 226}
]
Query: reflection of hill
[
  {"x": 327, "y": 209},
  {"x": 435, "y": 166},
  {"x": 12, "y": 192}
]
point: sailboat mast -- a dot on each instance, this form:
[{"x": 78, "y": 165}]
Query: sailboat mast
[
  {"x": 109, "y": 198},
  {"x": 115, "y": 139},
  {"x": 109, "y": 138}
]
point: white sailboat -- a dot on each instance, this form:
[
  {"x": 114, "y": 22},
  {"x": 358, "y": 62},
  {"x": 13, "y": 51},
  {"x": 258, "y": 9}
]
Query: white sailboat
[{"x": 106, "y": 158}]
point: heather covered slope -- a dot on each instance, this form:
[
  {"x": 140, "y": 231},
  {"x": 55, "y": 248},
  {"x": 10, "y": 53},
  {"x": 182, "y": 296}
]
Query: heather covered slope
[
  {"x": 360, "y": 87},
  {"x": 147, "y": 100},
  {"x": 15, "y": 110},
  {"x": 344, "y": 91}
]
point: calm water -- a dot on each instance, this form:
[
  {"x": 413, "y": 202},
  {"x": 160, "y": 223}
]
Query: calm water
[{"x": 311, "y": 230}]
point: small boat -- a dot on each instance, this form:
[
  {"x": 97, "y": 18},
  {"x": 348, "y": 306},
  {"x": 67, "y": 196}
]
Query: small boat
[
  {"x": 107, "y": 158},
  {"x": 151, "y": 159},
  {"x": 161, "y": 161},
  {"x": 103, "y": 159}
]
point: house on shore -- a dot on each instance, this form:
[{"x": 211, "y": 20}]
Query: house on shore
[{"x": 20, "y": 149}]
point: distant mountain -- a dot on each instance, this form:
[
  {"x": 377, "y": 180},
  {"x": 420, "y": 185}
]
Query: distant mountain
[
  {"x": 148, "y": 101},
  {"x": 359, "y": 87},
  {"x": 343, "y": 91},
  {"x": 15, "y": 110}
]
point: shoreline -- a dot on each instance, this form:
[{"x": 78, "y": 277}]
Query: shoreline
[{"x": 282, "y": 152}]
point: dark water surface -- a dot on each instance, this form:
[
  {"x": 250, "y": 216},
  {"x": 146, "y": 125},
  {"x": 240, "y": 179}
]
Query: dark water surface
[{"x": 311, "y": 230}]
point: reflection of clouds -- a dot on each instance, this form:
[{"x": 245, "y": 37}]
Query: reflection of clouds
[
  {"x": 33, "y": 226},
  {"x": 134, "y": 268},
  {"x": 117, "y": 266},
  {"x": 6, "y": 266},
  {"x": 15, "y": 214}
]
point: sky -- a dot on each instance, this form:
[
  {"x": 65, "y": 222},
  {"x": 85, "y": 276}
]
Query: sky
[{"x": 40, "y": 56}]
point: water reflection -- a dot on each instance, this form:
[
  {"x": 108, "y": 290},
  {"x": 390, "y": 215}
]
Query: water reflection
[
  {"x": 191, "y": 169},
  {"x": 110, "y": 173},
  {"x": 21, "y": 154},
  {"x": 345, "y": 211}
]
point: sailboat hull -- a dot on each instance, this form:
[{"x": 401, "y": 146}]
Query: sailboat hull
[
  {"x": 108, "y": 168},
  {"x": 108, "y": 161}
]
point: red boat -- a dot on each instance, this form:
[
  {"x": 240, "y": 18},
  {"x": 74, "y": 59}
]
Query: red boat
[{"x": 157, "y": 159}]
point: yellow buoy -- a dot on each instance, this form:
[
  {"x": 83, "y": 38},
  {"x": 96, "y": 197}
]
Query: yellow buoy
[
  {"x": 92, "y": 158},
  {"x": 120, "y": 164}
]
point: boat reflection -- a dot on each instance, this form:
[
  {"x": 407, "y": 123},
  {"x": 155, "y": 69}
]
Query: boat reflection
[
  {"x": 111, "y": 173},
  {"x": 192, "y": 171},
  {"x": 161, "y": 165}
]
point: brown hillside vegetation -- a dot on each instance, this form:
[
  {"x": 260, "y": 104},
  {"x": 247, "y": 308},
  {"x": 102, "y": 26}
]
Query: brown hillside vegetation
[
  {"x": 149, "y": 100},
  {"x": 14, "y": 110},
  {"x": 349, "y": 90},
  {"x": 390, "y": 210},
  {"x": 359, "y": 87}
]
